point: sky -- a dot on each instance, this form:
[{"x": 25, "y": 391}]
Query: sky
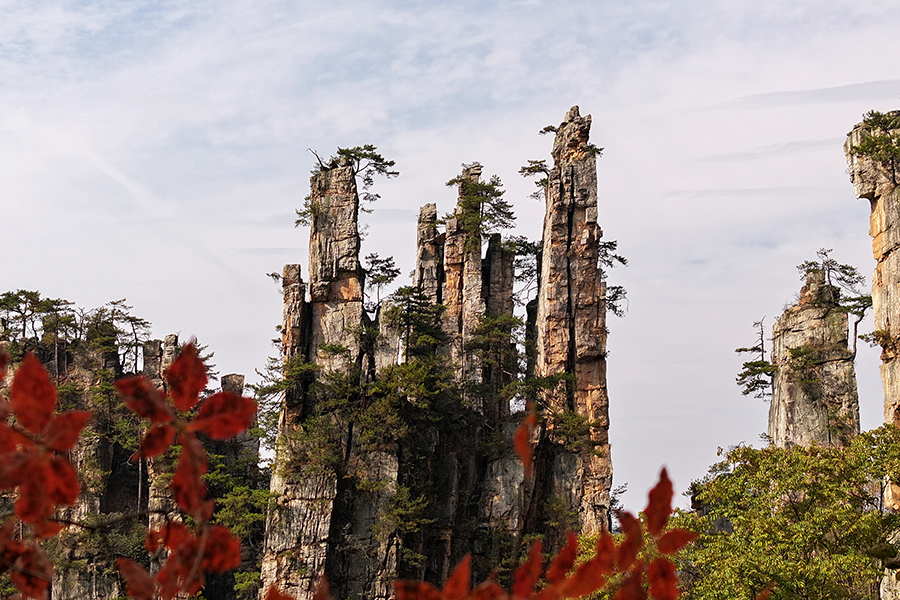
[{"x": 155, "y": 150}]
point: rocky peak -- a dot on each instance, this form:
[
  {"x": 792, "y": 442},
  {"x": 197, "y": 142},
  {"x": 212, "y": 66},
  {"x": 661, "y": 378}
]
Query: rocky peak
[{"x": 814, "y": 400}]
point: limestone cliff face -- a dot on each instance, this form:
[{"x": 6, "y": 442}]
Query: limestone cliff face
[
  {"x": 876, "y": 183},
  {"x": 814, "y": 400},
  {"x": 429, "y": 273},
  {"x": 462, "y": 287},
  {"x": 571, "y": 319},
  {"x": 415, "y": 477},
  {"x": 158, "y": 357}
]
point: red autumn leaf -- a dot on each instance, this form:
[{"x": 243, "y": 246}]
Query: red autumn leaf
[
  {"x": 223, "y": 550},
  {"x": 634, "y": 539},
  {"x": 587, "y": 579},
  {"x": 156, "y": 441},
  {"x": 187, "y": 487},
  {"x": 273, "y": 594},
  {"x": 322, "y": 592},
  {"x": 46, "y": 529},
  {"x": 224, "y": 415},
  {"x": 34, "y": 503},
  {"x": 522, "y": 443},
  {"x": 764, "y": 595},
  {"x": 141, "y": 586},
  {"x": 62, "y": 481},
  {"x": 5, "y": 408},
  {"x": 64, "y": 429},
  {"x": 528, "y": 572},
  {"x": 563, "y": 561},
  {"x": 633, "y": 586},
  {"x": 457, "y": 585},
  {"x": 675, "y": 540},
  {"x": 174, "y": 533},
  {"x": 662, "y": 578},
  {"x": 14, "y": 468},
  {"x": 186, "y": 378},
  {"x": 659, "y": 504},
  {"x": 144, "y": 399},
  {"x": 32, "y": 396},
  {"x": 487, "y": 590},
  {"x": 605, "y": 552},
  {"x": 415, "y": 590},
  {"x": 32, "y": 571}
]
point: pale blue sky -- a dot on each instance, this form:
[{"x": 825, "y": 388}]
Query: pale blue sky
[{"x": 156, "y": 151}]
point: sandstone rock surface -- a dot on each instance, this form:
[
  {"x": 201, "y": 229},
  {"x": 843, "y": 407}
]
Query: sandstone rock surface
[{"x": 814, "y": 400}]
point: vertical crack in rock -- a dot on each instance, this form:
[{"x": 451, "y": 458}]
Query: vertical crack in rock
[
  {"x": 571, "y": 321},
  {"x": 462, "y": 289},
  {"x": 814, "y": 399}
]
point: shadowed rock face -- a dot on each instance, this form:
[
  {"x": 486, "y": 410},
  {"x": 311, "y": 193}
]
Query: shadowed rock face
[
  {"x": 571, "y": 317},
  {"x": 814, "y": 400}
]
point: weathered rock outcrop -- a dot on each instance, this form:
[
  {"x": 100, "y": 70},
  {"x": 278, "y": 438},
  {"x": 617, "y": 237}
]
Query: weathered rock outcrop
[
  {"x": 158, "y": 357},
  {"x": 418, "y": 468},
  {"x": 877, "y": 182},
  {"x": 814, "y": 399},
  {"x": 462, "y": 287},
  {"x": 571, "y": 319},
  {"x": 429, "y": 273}
]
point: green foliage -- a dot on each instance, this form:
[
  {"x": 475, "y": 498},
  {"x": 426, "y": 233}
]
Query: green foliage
[
  {"x": 418, "y": 319},
  {"x": 481, "y": 209},
  {"x": 756, "y": 376},
  {"x": 380, "y": 272},
  {"x": 366, "y": 163},
  {"x": 803, "y": 518},
  {"x": 881, "y": 140}
]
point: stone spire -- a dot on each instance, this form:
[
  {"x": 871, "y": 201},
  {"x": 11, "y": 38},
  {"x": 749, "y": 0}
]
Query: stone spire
[
  {"x": 462, "y": 286},
  {"x": 571, "y": 316},
  {"x": 876, "y": 183},
  {"x": 429, "y": 273},
  {"x": 814, "y": 400}
]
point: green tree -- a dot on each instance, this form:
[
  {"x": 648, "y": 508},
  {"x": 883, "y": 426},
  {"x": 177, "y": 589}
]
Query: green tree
[
  {"x": 881, "y": 140},
  {"x": 380, "y": 272},
  {"x": 366, "y": 163},
  {"x": 844, "y": 287},
  {"x": 757, "y": 376},
  {"x": 481, "y": 209},
  {"x": 811, "y": 520}
]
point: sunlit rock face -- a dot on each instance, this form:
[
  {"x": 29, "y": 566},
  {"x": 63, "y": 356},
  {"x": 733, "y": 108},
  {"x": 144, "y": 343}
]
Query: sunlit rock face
[
  {"x": 814, "y": 400},
  {"x": 571, "y": 317},
  {"x": 877, "y": 182},
  {"x": 459, "y": 460}
]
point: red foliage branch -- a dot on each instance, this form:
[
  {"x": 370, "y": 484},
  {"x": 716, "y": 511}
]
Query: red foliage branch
[{"x": 32, "y": 447}]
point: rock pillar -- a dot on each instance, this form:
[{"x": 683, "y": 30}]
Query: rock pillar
[
  {"x": 814, "y": 400},
  {"x": 571, "y": 318},
  {"x": 429, "y": 254},
  {"x": 876, "y": 182},
  {"x": 462, "y": 288}
]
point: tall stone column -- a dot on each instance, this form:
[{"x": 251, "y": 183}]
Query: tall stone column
[
  {"x": 877, "y": 183},
  {"x": 571, "y": 318},
  {"x": 462, "y": 287},
  {"x": 429, "y": 273},
  {"x": 814, "y": 400}
]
